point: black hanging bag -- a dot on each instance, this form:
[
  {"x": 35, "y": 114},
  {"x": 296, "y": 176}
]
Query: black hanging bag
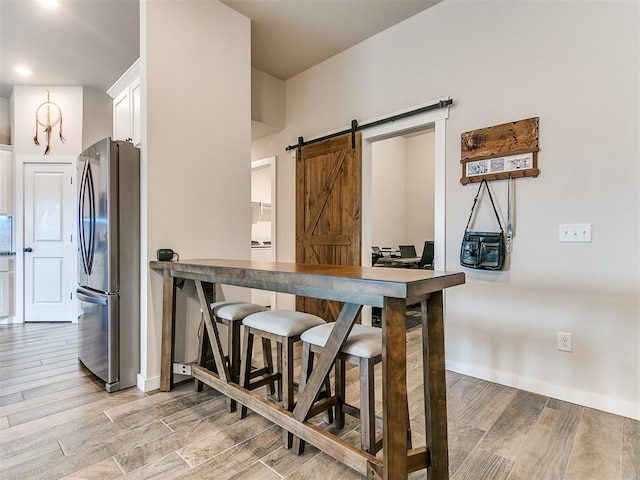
[{"x": 483, "y": 250}]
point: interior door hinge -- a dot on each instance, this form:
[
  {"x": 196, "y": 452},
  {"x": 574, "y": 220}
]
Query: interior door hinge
[
  {"x": 71, "y": 180},
  {"x": 71, "y": 296}
]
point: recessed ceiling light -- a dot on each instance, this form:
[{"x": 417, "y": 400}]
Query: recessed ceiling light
[
  {"x": 50, "y": 3},
  {"x": 23, "y": 71}
]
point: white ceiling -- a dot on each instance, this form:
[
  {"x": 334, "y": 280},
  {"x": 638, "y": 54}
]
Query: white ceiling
[
  {"x": 289, "y": 36},
  {"x": 83, "y": 42},
  {"x": 92, "y": 42}
]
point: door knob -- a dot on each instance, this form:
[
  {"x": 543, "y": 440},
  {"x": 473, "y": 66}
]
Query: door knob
[{"x": 28, "y": 249}]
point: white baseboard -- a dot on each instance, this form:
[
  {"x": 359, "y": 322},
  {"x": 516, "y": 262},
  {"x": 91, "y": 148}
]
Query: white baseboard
[
  {"x": 153, "y": 383},
  {"x": 9, "y": 320},
  {"x": 148, "y": 384},
  {"x": 586, "y": 399}
]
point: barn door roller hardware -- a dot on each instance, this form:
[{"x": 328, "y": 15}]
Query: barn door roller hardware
[{"x": 356, "y": 128}]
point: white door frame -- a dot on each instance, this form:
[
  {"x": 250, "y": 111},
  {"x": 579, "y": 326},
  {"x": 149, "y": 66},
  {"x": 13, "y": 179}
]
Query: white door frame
[
  {"x": 20, "y": 162},
  {"x": 420, "y": 121},
  {"x": 433, "y": 118}
]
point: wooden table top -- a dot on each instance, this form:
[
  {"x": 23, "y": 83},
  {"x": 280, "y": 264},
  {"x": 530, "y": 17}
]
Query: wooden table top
[{"x": 353, "y": 284}]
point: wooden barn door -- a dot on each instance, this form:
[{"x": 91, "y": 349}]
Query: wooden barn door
[{"x": 328, "y": 205}]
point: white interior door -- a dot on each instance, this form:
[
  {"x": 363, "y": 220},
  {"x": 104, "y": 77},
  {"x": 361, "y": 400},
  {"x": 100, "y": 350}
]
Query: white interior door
[{"x": 49, "y": 234}]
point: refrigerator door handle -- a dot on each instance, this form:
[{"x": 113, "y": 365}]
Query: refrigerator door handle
[
  {"x": 87, "y": 194},
  {"x": 81, "y": 219},
  {"x": 99, "y": 300},
  {"x": 92, "y": 219},
  {"x": 81, "y": 232}
]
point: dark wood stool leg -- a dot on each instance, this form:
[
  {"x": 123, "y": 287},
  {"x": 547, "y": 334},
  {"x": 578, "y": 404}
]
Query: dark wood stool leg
[
  {"x": 267, "y": 357},
  {"x": 409, "y": 441},
  {"x": 340, "y": 376},
  {"x": 286, "y": 380},
  {"x": 328, "y": 415},
  {"x": 367, "y": 406},
  {"x": 287, "y": 373},
  {"x": 305, "y": 372},
  {"x": 202, "y": 351},
  {"x": 245, "y": 367},
  {"x": 280, "y": 370},
  {"x": 233, "y": 344},
  {"x": 233, "y": 351}
]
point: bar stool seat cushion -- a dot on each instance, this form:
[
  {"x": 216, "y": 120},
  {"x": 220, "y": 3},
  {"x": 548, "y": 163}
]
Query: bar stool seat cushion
[
  {"x": 363, "y": 341},
  {"x": 233, "y": 311},
  {"x": 286, "y": 323}
]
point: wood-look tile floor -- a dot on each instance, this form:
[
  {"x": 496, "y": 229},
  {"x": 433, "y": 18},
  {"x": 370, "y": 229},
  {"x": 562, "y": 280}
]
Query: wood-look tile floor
[{"x": 56, "y": 421}]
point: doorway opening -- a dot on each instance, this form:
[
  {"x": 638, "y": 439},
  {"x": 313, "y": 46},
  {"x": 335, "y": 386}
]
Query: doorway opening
[
  {"x": 431, "y": 172},
  {"x": 263, "y": 221},
  {"x": 402, "y": 206},
  {"x": 402, "y": 201}
]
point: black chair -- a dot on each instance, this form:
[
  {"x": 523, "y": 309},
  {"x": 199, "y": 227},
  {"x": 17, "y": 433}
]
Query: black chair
[
  {"x": 426, "y": 261},
  {"x": 375, "y": 255},
  {"x": 407, "y": 251}
]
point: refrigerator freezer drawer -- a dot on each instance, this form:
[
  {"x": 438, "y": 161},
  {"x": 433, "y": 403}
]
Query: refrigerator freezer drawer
[{"x": 98, "y": 335}]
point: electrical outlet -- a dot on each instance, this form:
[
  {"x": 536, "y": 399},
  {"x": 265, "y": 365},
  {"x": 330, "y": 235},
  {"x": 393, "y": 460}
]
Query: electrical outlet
[
  {"x": 182, "y": 368},
  {"x": 565, "y": 342}
]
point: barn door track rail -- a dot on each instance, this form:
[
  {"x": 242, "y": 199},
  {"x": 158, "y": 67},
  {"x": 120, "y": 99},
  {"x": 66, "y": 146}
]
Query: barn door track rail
[{"x": 356, "y": 128}]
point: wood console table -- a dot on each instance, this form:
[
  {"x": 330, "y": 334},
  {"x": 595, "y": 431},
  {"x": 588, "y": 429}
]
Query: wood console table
[{"x": 387, "y": 288}]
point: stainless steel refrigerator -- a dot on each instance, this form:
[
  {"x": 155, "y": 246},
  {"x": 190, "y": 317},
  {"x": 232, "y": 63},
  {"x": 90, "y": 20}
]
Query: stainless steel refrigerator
[{"x": 109, "y": 262}]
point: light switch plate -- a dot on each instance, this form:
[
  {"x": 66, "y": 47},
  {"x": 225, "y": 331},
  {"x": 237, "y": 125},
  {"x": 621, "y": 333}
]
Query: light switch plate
[{"x": 575, "y": 232}]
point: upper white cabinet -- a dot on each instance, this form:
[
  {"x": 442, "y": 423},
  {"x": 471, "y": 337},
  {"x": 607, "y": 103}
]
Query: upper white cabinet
[
  {"x": 126, "y": 105},
  {"x": 6, "y": 184},
  {"x": 122, "y": 116}
]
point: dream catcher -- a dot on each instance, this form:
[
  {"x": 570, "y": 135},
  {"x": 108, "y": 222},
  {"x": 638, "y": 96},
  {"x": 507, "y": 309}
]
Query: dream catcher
[{"x": 46, "y": 109}]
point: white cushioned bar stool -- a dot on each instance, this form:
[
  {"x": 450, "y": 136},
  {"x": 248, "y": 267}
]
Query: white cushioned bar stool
[
  {"x": 363, "y": 348},
  {"x": 231, "y": 313},
  {"x": 285, "y": 328}
]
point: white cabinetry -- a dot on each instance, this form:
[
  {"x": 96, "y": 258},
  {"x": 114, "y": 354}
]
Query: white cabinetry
[
  {"x": 261, "y": 254},
  {"x": 126, "y": 105},
  {"x": 5, "y": 180},
  {"x": 6, "y": 207},
  {"x": 6, "y": 284},
  {"x": 5, "y": 294}
]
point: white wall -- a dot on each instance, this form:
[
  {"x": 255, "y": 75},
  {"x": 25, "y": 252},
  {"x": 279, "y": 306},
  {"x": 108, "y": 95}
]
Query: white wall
[
  {"x": 420, "y": 184},
  {"x": 196, "y": 134},
  {"x": 574, "y": 65},
  {"x": 402, "y": 209},
  {"x": 98, "y": 116},
  {"x": 388, "y": 189},
  {"x": 267, "y": 102},
  {"x": 26, "y": 100}
]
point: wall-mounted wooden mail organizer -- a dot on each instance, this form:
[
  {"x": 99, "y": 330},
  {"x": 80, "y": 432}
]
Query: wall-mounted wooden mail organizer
[{"x": 504, "y": 151}]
